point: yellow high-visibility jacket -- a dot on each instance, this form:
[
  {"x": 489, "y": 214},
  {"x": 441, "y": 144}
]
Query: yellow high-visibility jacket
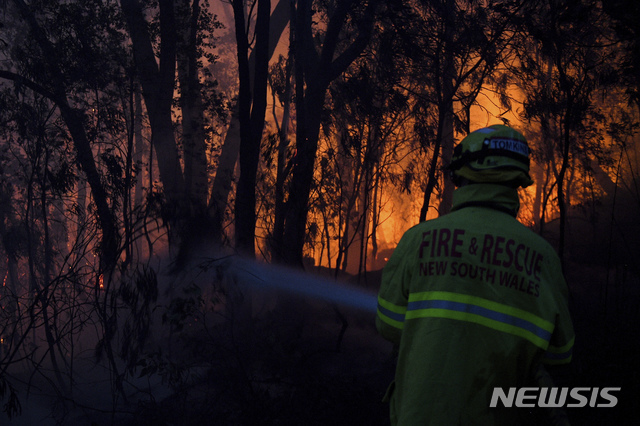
[{"x": 475, "y": 300}]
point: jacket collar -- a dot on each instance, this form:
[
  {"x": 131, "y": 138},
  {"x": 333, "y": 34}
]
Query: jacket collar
[{"x": 497, "y": 197}]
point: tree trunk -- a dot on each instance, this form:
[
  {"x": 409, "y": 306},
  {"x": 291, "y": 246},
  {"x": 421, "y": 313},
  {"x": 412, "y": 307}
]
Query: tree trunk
[
  {"x": 223, "y": 180},
  {"x": 537, "y": 200},
  {"x": 74, "y": 121},
  {"x": 157, "y": 82},
  {"x": 283, "y": 167},
  {"x": 446, "y": 105},
  {"x": 252, "y": 108},
  {"x": 314, "y": 73},
  {"x": 443, "y": 149},
  {"x": 447, "y": 139},
  {"x": 432, "y": 177},
  {"x": 108, "y": 224},
  {"x": 566, "y": 144},
  {"x": 191, "y": 105},
  {"x": 140, "y": 147}
]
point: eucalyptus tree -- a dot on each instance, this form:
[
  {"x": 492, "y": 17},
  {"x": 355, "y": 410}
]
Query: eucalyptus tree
[
  {"x": 63, "y": 59},
  {"x": 363, "y": 142},
  {"x": 564, "y": 59},
  {"x": 167, "y": 39},
  {"x": 322, "y": 53},
  {"x": 252, "y": 103},
  {"x": 72, "y": 60},
  {"x": 230, "y": 150},
  {"x": 194, "y": 46},
  {"x": 63, "y": 67},
  {"x": 157, "y": 78},
  {"x": 624, "y": 16},
  {"x": 452, "y": 48}
]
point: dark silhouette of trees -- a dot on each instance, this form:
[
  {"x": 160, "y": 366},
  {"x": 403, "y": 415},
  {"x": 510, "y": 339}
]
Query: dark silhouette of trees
[
  {"x": 565, "y": 50},
  {"x": 315, "y": 68},
  {"x": 452, "y": 49},
  {"x": 157, "y": 79},
  {"x": 52, "y": 72},
  {"x": 57, "y": 110},
  {"x": 72, "y": 100},
  {"x": 361, "y": 144},
  {"x": 191, "y": 49},
  {"x": 179, "y": 41},
  {"x": 224, "y": 176},
  {"x": 624, "y": 17},
  {"x": 252, "y": 104}
]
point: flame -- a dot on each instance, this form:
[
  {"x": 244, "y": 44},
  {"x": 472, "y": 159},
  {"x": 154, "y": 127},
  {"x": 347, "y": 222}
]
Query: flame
[{"x": 6, "y": 274}]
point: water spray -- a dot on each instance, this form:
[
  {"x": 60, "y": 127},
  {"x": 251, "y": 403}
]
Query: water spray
[{"x": 259, "y": 275}]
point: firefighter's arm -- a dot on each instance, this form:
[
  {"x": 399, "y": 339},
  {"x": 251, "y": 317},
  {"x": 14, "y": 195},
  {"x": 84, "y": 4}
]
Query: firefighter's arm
[
  {"x": 392, "y": 297},
  {"x": 556, "y": 416},
  {"x": 560, "y": 348}
]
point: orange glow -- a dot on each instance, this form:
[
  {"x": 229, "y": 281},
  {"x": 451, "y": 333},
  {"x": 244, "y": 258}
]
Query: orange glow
[{"x": 398, "y": 209}]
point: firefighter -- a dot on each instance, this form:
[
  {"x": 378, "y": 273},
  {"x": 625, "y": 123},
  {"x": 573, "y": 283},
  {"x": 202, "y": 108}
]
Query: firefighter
[{"x": 474, "y": 299}]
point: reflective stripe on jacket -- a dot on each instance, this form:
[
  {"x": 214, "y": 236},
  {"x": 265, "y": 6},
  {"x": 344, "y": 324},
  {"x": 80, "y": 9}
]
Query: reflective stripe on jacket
[{"x": 475, "y": 300}]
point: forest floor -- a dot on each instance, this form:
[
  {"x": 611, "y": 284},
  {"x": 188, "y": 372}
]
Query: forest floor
[
  {"x": 281, "y": 359},
  {"x": 297, "y": 365},
  {"x": 290, "y": 366}
]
